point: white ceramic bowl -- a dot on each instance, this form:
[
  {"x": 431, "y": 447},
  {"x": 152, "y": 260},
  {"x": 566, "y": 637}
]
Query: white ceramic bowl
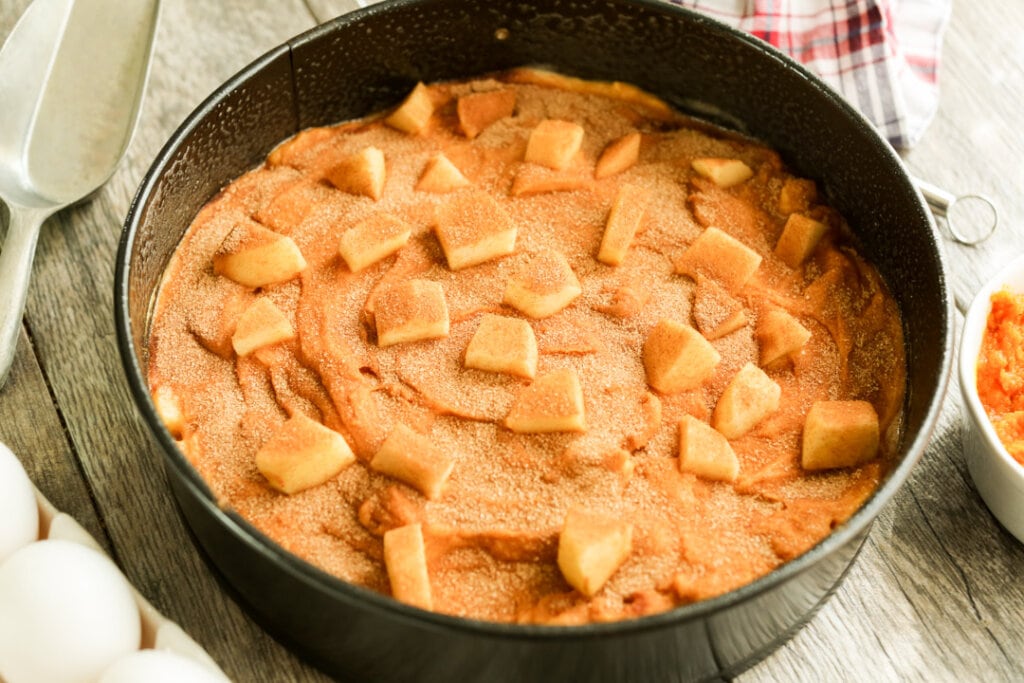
[{"x": 998, "y": 477}]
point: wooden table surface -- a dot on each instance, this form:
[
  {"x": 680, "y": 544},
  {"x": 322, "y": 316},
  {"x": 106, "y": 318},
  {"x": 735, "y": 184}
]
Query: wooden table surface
[{"x": 936, "y": 593}]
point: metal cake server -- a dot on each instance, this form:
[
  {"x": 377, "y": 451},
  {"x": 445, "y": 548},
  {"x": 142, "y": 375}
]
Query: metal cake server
[{"x": 72, "y": 74}]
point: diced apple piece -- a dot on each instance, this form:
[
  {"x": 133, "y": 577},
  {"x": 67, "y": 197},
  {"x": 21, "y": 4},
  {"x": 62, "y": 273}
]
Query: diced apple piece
[
  {"x": 839, "y": 434},
  {"x": 168, "y": 407},
  {"x": 750, "y": 397},
  {"x": 797, "y": 194},
  {"x": 780, "y": 335},
  {"x": 479, "y": 110},
  {"x": 532, "y": 180},
  {"x": 542, "y": 285},
  {"x": 591, "y": 548},
  {"x": 405, "y": 558},
  {"x": 722, "y": 172},
  {"x": 253, "y": 256},
  {"x": 624, "y": 219},
  {"x": 799, "y": 238},
  {"x": 554, "y": 143},
  {"x": 440, "y": 175},
  {"x": 302, "y": 454},
  {"x": 716, "y": 312},
  {"x": 553, "y": 403},
  {"x": 414, "y": 459},
  {"x": 372, "y": 239},
  {"x": 677, "y": 358},
  {"x": 505, "y": 345},
  {"x": 411, "y": 310},
  {"x": 473, "y": 228},
  {"x": 362, "y": 173},
  {"x": 705, "y": 452},
  {"x": 618, "y": 156},
  {"x": 721, "y": 257},
  {"x": 262, "y": 324},
  {"x": 413, "y": 114}
]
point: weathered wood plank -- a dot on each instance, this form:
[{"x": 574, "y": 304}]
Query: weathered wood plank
[
  {"x": 934, "y": 594},
  {"x": 31, "y": 427},
  {"x": 975, "y": 143},
  {"x": 931, "y": 595},
  {"x": 70, "y": 313}
]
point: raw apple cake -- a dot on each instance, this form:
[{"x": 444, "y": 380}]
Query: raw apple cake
[{"x": 530, "y": 349}]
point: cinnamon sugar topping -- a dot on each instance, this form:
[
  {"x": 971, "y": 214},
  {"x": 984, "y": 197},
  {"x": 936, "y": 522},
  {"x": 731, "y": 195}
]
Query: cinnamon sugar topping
[{"x": 465, "y": 376}]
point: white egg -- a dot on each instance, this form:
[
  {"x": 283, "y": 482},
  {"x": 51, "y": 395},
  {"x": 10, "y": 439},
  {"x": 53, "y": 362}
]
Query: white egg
[
  {"x": 18, "y": 508},
  {"x": 159, "y": 666},
  {"x": 66, "y": 614}
]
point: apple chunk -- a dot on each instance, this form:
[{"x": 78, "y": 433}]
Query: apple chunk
[
  {"x": 618, "y": 156},
  {"x": 362, "y": 173},
  {"x": 533, "y": 180},
  {"x": 553, "y": 403},
  {"x": 624, "y": 220},
  {"x": 411, "y": 310},
  {"x": 505, "y": 345},
  {"x": 405, "y": 559},
  {"x": 554, "y": 143},
  {"x": 839, "y": 434},
  {"x": 750, "y": 397},
  {"x": 705, "y": 452},
  {"x": 677, "y": 358},
  {"x": 473, "y": 228},
  {"x": 302, "y": 454},
  {"x": 780, "y": 335},
  {"x": 799, "y": 238},
  {"x": 413, "y": 114},
  {"x": 372, "y": 239},
  {"x": 414, "y": 459},
  {"x": 722, "y": 172},
  {"x": 261, "y": 324},
  {"x": 721, "y": 257},
  {"x": 542, "y": 285},
  {"x": 440, "y": 175},
  {"x": 591, "y": 548},
  {"x": 253, "y": 256}
]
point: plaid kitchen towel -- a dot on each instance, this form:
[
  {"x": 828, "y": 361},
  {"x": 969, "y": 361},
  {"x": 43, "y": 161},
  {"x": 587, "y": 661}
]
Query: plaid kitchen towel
[{"x": 881, "y": 55}]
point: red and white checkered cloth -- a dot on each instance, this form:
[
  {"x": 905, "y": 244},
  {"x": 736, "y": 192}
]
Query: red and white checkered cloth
[{"x": 881, "y": 55}]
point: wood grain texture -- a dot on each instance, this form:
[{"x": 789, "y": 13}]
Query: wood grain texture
[
  {"x": 33, "y": 429},
  {"x": 935, "y": 594},
  {"x": 70, "y": 315},
  {"x": 976, "y": 143}
]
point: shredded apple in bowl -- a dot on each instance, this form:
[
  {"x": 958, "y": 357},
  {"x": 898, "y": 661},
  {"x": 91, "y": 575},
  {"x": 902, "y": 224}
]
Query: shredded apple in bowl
[
  {"x": 530, "y": 349},
  {"x": 1001, "y": 370}
]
